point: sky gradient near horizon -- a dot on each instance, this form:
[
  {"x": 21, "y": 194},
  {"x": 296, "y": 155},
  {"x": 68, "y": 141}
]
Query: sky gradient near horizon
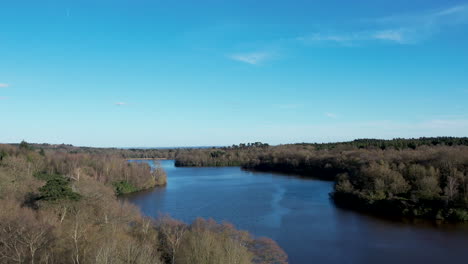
[{"x": 140, "y": 73}]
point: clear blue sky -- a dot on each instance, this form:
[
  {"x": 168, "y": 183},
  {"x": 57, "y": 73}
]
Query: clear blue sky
[{"x": 185, "y": 73}]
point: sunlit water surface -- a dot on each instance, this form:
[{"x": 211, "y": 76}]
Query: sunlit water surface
[{"x": 299, "y": 215}]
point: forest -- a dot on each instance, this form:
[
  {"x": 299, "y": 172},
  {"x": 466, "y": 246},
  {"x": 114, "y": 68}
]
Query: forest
[
  {"x": 60, "y": 205},
  {"x": 424, "y": 178}
]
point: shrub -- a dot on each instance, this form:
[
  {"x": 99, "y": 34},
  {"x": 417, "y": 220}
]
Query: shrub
[
  {"x": 123, "y": 187},
  {"x": 56, "y": 188}
]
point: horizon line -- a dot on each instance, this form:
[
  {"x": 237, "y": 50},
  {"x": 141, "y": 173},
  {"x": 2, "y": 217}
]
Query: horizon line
[{"x": 221, "y": 146}]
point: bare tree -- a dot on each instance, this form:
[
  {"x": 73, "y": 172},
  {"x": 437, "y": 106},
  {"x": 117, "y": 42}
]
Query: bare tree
[
  {"x": 172, "y": 231},
  {"x": 22, "y": 233}
]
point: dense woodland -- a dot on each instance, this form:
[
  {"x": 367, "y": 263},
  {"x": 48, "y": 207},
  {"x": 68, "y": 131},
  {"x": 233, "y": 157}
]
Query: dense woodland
[
  {"x": 59, "y": 205},
  {"x": 425, "y": 177}
]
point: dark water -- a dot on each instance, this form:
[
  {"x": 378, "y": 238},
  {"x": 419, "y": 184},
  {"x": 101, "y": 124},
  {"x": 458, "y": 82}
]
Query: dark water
[{"x": 298, "y": 214}]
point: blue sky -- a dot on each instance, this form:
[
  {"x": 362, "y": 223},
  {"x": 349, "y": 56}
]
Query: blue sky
[{"x": 186, "y": 73}]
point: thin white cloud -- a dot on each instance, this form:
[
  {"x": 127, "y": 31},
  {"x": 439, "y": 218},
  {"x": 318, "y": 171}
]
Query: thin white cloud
[
  {"x": 253, "y": 58},
  {"x": 399, "y": 29},
  {"x": 417, "y": 27},
  {"x": 121, "y": 103},
  {"x": 391, "y": 35},
  {"x": 349, "y": 39},
  {"x": 4, "y": 85},
  {"x": 453, "y": 10},
  {"x": 331, "y": 115},
  {"x": 451, "y": 15}
]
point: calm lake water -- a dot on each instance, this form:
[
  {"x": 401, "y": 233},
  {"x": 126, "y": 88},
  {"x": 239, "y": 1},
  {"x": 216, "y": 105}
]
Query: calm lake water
[{"x": 299, "y": 215}]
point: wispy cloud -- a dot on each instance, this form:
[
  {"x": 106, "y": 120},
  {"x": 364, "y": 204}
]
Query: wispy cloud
[
  {"x": 416, "y": 27},
  {"x": 353, "y": 38},
  {"x": 3, "y": 98},
  {"x": 331, "y": 115},
  {"x": 451, "y": 15},
  {"x": 4, "y": 85},
  {"x": 121, "y": 103},
  {"x": 400, "y": 29},
  {"x": 391, "y": 35},
  {"x": 253, "y": 58}
]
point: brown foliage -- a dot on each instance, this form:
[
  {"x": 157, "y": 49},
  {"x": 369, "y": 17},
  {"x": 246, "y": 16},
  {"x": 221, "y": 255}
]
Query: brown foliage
[
  {"x": 268, "y": 252},
  {"x": 98, "y": 228}
]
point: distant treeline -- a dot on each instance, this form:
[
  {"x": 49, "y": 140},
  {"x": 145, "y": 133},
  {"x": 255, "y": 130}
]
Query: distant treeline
[
  {"x": 234, "y": 155},
  {"x": 397, "y": 143},
  {"x": 60, "y": 206}
]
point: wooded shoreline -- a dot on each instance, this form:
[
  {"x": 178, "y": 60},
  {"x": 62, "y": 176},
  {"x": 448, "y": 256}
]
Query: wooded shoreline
[
  {"x": 61, "y": 207},
  {"x": 420, "y": 178}
]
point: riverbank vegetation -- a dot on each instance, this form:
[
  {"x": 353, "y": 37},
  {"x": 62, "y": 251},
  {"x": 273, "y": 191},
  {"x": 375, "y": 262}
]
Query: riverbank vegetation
[
  {"x": 425, "y": 177},
  {"x": 61, "y": 207}
]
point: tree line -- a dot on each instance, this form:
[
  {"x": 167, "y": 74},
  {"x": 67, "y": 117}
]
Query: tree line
[{"x": 60, "y": 207}]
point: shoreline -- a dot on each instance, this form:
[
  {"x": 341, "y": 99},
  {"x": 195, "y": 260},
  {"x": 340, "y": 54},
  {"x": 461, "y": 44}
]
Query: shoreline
[{"x": 147, "y": 159}]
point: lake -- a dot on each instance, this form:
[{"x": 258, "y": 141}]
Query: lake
[{"x": 299, "y": 215}]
